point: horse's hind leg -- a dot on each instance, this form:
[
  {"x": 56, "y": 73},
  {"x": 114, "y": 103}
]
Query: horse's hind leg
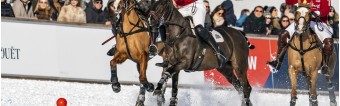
[
  {"x": 227, "y": 72},
  {"x": 242, "y": 75},
  {"x": 293, "y": 80}
]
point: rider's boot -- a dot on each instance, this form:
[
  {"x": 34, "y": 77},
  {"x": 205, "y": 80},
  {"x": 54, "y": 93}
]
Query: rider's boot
[
  {"x": 153, "y": 37},
  {"x": 327, "y": 51},
  {"x": 207, "y": 37},
  {"x": 282, "y": 42},
  {"x": 111, "y": 52}
]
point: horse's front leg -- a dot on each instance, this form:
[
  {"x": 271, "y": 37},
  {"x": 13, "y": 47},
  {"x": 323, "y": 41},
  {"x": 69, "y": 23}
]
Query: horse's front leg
[
  {"x": 313, "y": 95},
  {"x": 142, "y": 65},
  {"x": 173, "y": 99},
  {"x": 293, "y": 79},
  {"x": 160, "y": 98},
  {"x": 165, "y": 76},
  {"x": 141, "y": 95},
  {"x": 114, "y": 78}
]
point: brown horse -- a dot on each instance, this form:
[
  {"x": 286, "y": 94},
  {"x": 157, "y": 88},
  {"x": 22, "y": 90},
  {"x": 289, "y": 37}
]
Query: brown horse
[
  {"x": 305, "y": 55},
  {"x": 132, "y": 42},
  {"x": 186, "y": 51}
]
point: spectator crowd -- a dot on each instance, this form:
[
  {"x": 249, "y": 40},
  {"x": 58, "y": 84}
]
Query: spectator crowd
[{"x": 264, "y": 20}]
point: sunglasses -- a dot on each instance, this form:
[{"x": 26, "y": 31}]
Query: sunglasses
[
  {"x": 43, "y": 2},
  {"x": 258, "y": 11},
  {"x": 291, "y": 19}
]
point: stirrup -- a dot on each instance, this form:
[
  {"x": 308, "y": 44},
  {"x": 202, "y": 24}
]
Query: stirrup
[
  {"x": 220, "y": 62},
  {"x": 275, "y": 64},
  {"x": 219, "y": 54},
  {"x": 324, "y": 69},
  {"x": 152, "y": 50}
]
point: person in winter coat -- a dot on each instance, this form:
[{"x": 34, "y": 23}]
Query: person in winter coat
[
  {"x": 229, "y": 12},
  {"x": 94, "y": 12},
  {"x": 23, "y": 9},
  {"x": 244, "y": 14},
  {"x": 6, "y": 9},
  {"x": 43, "y": 11},
  {"x": 207, "y": 22},
  {"x": 255, "y": 22},
  {"x": 218, "y": 17},
  {"x": 333, "y": 20},
  {"x": 72, "y": 12}
]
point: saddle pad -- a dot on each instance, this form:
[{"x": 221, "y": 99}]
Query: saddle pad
[{"x": 217, "y": 36}]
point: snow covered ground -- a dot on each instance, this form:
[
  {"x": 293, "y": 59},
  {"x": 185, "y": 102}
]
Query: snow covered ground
[{"x": 21, "y": 92}]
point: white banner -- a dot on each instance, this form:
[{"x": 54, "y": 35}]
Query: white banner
[{"x": 69, "y": 51}]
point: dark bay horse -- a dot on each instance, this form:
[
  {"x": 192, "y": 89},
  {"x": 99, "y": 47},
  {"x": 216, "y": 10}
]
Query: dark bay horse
[
  {"x": 305, "y": 56},
  {"x": 183, "y": 49},
  {"x": 132, "y": 42}
]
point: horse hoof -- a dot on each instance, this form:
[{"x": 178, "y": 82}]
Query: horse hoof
[
  {"x": 116, "y": 87},
  {"x": 139, "y": 104},
  {"x": 293, "y": 101},
  {"x": 160, "y": 100},
  {"x": 157, "y": 92},
  {"x": 324, "y": 69},
  {"x": 313, "y": 104},
  {"x": 333, "y": 104},
  {"x": 246, "y": 102},
  {"x": 149, "y": 87},
  {"x": 173, "y": 101}
]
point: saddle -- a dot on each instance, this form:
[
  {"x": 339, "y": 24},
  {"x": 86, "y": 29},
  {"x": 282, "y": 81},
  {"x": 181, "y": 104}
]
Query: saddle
[{"x": 202, "y": 44}]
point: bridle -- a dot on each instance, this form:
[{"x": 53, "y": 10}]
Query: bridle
[
  {"x": 166, "y": 19},
  {"x": 127, "y": 10}
]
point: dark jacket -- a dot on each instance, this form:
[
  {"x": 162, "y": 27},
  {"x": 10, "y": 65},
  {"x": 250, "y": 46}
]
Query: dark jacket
[
  {"x": 229, "y": 12},
  {"x": 241, "y": 20},
  {"x": 334, "y": 23},
  {"x": 207, "y": 22},
  {"x": 6, "y": 10},
  {"x": 109, "y": 15},
  {"x": 94, "y": 15},
  {"x": 254, "y": 25}
]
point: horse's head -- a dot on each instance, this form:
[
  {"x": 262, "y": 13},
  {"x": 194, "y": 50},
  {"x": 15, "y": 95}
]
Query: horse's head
[
  {"x": 157, "y": 11},
  {"x": 120, "y": 5},
  {"x": 302, "y": 16}
]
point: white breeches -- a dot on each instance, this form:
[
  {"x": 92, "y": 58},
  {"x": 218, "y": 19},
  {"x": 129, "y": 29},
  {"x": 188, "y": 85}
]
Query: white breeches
[
  {"x": 196, "y": 10},
  {"x": 325, "y": 33}
]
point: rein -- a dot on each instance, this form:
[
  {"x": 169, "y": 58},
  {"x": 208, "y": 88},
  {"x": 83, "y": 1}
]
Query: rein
[
  {"x": 301, "y": 50},
  {"x": 135, "y": 25},
  {"x": 166, "y": 20}
]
